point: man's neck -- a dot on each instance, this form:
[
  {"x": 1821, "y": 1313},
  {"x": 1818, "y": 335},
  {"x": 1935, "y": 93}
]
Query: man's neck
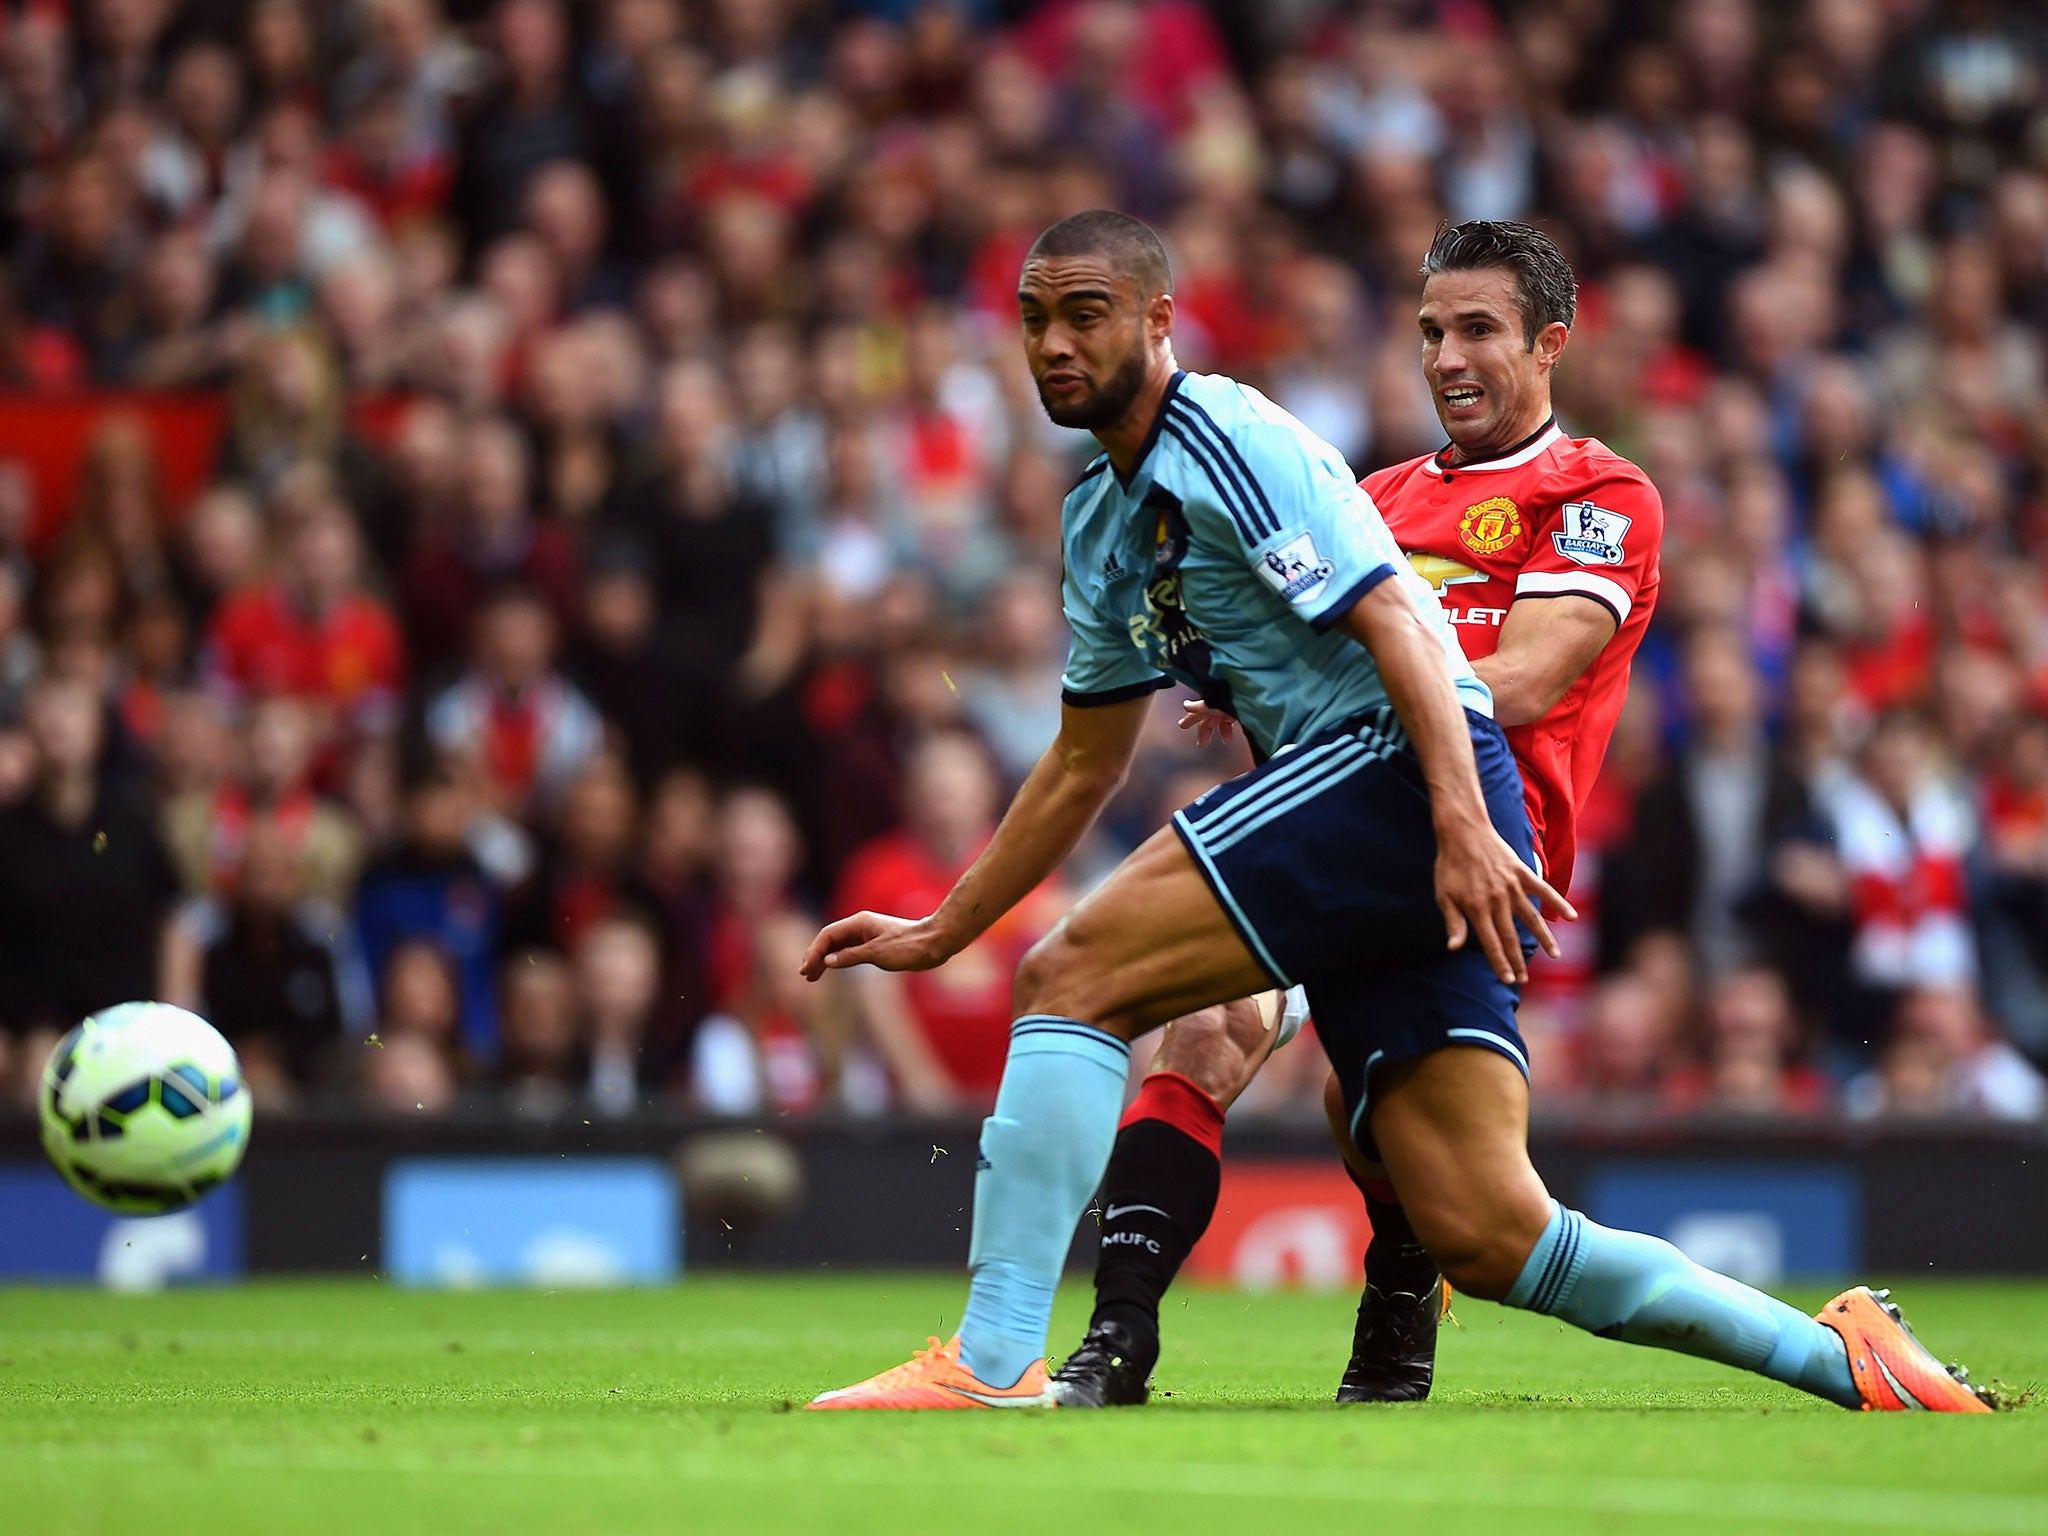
[
  {"x": 1125, "y": 442},
  {"x": 1528, "y": 425}
]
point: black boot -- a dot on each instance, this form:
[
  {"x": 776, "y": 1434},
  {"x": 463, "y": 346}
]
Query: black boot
[
  {"x": 1393, "y": 1349},
  {"x": 1112, "y": 1368}
]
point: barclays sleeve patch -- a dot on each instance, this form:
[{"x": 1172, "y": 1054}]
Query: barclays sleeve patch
[
  {"x": 1296, "y": 569},
  {"x": 1591, "y": 535}
]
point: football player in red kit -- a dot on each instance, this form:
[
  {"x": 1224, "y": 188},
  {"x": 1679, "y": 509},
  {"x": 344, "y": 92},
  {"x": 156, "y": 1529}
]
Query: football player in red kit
[
  {"x": 1544, "y": 551},
  {"x": 1540, "y": 554}
]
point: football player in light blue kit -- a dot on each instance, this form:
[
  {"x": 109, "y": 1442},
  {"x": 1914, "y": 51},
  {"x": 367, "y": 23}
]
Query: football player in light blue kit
[{"x": 1379, "y": 854}]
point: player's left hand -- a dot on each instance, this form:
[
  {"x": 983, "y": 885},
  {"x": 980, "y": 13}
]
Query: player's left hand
[{"x": 1482, "y": 886}]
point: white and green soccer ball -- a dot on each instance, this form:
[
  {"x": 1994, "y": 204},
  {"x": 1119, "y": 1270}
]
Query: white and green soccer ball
[{"x": 144, "y": 1108}]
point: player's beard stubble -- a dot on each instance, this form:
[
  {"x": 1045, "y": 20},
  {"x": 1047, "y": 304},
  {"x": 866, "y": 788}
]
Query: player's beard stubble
[{"x": 1106, "y": 403}]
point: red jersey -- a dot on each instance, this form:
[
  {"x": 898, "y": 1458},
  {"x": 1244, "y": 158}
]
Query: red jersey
[
  {"x": 964, "y": 1007},
  {"x": 1555, "y": 516},
  {"x": 353, "y": 657}
]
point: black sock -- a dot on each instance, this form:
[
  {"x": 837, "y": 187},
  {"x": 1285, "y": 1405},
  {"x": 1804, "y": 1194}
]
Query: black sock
[
  {"x": 1158, "y": 1196},
  {"x": 1394, "y": 1261}
]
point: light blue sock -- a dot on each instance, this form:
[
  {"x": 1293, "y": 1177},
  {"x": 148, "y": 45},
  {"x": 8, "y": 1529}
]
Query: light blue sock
[
  {"x": 1623, "y": 1285},
  {"x": 1042, "y": 1155}
]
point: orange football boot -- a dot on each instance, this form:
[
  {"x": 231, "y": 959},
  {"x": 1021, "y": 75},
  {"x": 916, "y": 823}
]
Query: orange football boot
[
  {"x": 935, "y": 1378},
  {"x": 1894, "y": 1371}
]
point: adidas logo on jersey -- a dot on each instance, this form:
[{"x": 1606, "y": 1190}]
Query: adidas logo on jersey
[{"x": 1113, "y": 568}]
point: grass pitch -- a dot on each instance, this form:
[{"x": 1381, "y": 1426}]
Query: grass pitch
[{"x": 287, "y": 1408}]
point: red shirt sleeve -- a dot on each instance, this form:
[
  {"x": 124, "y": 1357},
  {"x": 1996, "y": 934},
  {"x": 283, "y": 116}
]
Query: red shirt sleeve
[{"x": 1600, "y": 539}]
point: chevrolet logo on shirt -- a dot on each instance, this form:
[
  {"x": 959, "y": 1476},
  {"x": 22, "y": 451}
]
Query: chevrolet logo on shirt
[{"x": 1441, "y": 572}]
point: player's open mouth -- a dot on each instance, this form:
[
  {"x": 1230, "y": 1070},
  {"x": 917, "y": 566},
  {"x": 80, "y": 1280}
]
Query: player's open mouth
[{"x": 1463, "y": 397}]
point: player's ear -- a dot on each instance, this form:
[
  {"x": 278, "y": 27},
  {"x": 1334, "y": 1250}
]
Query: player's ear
[
  {"x": 1550, "y": 343},
  {"x": 1159, "y": 317}
]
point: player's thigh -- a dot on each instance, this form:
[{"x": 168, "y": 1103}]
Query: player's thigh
[
  {"x": 1147, "y": 945},
  {"x": 1452, "y": 1129},
  {"x": 1220, "y": 1049}
]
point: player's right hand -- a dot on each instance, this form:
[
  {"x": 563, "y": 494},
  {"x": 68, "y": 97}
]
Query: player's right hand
[
  {"x": 871, "y": 938},
  {"x": 1482, "y": 887},
  {"x": 1207, "y": 724}
]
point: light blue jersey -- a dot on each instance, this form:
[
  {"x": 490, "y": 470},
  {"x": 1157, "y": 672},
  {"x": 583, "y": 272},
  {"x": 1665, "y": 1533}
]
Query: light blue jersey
[{"x": 1239, "y": 541}]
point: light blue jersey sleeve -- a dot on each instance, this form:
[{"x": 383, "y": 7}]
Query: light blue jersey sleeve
[{"x": 1290, "y": 504}]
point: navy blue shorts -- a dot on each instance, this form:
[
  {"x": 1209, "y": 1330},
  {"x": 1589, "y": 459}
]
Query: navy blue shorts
[{"x": 1324, "y": 858}]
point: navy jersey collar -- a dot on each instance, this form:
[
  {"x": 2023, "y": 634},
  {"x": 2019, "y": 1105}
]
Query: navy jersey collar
[{"x": 1152, "y": 437}]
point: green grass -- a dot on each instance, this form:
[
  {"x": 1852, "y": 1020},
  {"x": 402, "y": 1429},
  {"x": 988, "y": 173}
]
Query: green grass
[{"x": 287, "y": 1408}]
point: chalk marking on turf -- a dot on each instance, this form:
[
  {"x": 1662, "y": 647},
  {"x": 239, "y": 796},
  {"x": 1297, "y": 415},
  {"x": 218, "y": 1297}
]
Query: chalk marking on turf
[{"x": 1814, "y": 1504}]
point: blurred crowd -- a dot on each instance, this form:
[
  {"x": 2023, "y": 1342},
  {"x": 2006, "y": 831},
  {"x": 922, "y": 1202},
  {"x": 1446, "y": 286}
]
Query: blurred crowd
[{"x": 633, "y": 535}]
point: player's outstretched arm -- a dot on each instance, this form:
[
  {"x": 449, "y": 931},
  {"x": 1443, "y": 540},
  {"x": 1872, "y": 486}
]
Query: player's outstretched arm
[
  {"x": 1057, "y": 804},
  {"x": 1482, "y": 885}
]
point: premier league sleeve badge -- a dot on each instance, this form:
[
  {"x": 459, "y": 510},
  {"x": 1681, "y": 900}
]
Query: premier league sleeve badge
[{"x": 1591, "y": 535}]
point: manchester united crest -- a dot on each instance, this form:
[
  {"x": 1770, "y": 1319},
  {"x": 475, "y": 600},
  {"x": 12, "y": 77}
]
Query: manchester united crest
[{"x": 1491, "y": 526}]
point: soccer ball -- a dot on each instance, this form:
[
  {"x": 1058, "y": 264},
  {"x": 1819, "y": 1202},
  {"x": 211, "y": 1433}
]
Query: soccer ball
[{"x": 144, "y": 1109}]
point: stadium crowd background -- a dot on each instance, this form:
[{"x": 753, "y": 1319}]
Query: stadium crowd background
[{"x": 634, "y": 534}]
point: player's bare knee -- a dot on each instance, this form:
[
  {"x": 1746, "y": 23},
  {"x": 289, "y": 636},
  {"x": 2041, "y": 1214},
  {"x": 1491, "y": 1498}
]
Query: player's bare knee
[
  {"x": 1487, "y": 1270},
  {"x": 1463, "y": 1248},
  {"x": 1481, "y": 1251},
  {"x": 1062, "y": 975},
  {"x": 1045, "y": 976},
  {"x": 1204, "y": 1048},
  {"x": 1455, "y": 1242},
  {"x": 1475, "y": 1261}
]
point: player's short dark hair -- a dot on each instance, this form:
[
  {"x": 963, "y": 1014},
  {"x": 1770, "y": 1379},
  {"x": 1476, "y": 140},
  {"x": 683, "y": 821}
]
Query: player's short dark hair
[
  {"x": 1132, "y": 246},
  {"x": 1546, "y": 288}
]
